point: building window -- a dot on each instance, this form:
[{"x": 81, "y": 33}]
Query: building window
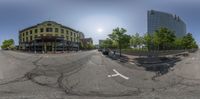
[
  {"x": 30, "y": 31},
  {"x": 49, "y": 30},
  {"x": 35, "y": 30},
  {"x": 41, "y": 30},
  {"x": 26, "y": 38},
  {"x": 31, "y": 38},
  {"x": 35, "y": 36},
  {"x": 67, "y": 38},
  {"x": 23, "y": 40},
  {"x": 67, "y": 32},
  {"x": 23, "y": 34},
  {"x": 48, "y": 24},
  {"x": 26, "y": 33},
  {"x": 62, "y": 30},
  {"x": 56, "y": 30},
  {"x": 71, "y": 33},
  {"x": 41, "y": 35},
  {"x": 49, "y": 35}
]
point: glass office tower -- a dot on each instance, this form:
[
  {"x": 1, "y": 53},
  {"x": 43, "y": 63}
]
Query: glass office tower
[{"x": 157, "y": 19}]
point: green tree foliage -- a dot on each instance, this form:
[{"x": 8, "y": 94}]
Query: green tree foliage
[
  {"x": 86, "y": 46},
  {"x": 8, "y": 44},
  {"x": 148, "y": 41},
  {"x": 107, "y": 43},
  {"x": 163, "y": 39},
  {"x": 120, "y": 37},
  {"x": 188, "y": 42},
  {"x": 125, "y": 43},
  {"x": 89, "y": 46},
  {"x": 178, "y": 43},
  {"x": 136, "y": 40},
  {"x": 114, "y": 44}
]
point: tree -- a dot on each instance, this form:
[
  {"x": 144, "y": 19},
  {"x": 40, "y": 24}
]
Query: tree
[
  {"x": 188, "y": 42},
  {"x": 133, "y": 41},
  {"x": 114, "y": 44},
  {"x": 81, "y": 45},
  {"x": 8, "y": 44},
  {"x": 148, "y": 40},
  {"x": 107, "y": 43},
  {"x": 136, "y": 40},
  {"x": 120, "y": 37},
  {"x": 163, "y": 38},
  {"x": 125, "y": 41},
  {"x": 178, "y": 43},
  {"x": 89, "y": 46}
]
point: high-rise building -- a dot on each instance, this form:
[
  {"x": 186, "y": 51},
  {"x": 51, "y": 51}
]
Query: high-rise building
[{"x": 157, "y": 19}]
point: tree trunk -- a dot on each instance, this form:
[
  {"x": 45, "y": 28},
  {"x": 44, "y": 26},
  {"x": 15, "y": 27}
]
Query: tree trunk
[{"x": 120, "y": 52}]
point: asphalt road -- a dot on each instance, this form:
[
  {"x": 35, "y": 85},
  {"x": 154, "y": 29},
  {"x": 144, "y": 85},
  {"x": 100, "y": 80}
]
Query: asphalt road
[{"x": 91, "y": 75}]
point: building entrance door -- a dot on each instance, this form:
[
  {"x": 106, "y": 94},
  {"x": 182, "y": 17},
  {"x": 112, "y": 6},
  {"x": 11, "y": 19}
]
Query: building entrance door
[{"x": 49, "y": 48}]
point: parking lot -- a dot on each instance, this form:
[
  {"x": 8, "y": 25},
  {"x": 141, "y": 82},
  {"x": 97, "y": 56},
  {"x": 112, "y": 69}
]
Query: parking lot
[{"x": 89, "y": 75}]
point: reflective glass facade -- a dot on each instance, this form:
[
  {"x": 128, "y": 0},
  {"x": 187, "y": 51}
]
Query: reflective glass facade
[{"x": 157, "y": 19}]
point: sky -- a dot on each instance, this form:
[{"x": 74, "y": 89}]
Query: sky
[{"x": 95, "y": 18}]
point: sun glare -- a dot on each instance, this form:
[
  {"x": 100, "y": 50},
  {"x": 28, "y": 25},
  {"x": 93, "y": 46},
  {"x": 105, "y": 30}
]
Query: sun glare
[{"x": 99, "y": 30}]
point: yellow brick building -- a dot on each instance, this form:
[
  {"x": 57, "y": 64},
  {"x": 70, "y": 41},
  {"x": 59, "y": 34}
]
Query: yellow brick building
[{"x": 49, "y": 36}]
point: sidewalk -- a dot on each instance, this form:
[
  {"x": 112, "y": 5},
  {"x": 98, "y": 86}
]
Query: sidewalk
[
  {"x": 123, "y": 58},
  {"x": 130, "y": 58}
]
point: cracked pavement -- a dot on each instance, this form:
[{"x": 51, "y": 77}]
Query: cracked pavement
[{"x": 84, "y": 75}]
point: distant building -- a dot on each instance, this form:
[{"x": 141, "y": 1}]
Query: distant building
[
  {"x": 49, "y": 36},
  {"x": 157, "y": 19},
  {"x": 87, "y": 41},
  {"x": 96, "y": 46},
  {"x": 101, "y": 42}
]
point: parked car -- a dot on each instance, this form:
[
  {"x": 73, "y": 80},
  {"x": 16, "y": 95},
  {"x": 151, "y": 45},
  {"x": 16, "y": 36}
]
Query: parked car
[
  {"x": 105, "y": 51},
  {"x": 99, "y": 49}
]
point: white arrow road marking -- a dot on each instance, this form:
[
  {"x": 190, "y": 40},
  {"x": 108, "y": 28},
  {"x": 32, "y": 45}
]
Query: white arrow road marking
[
  {"x": 132, "y": 63},
  {"x": 118, "y": 74}
]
